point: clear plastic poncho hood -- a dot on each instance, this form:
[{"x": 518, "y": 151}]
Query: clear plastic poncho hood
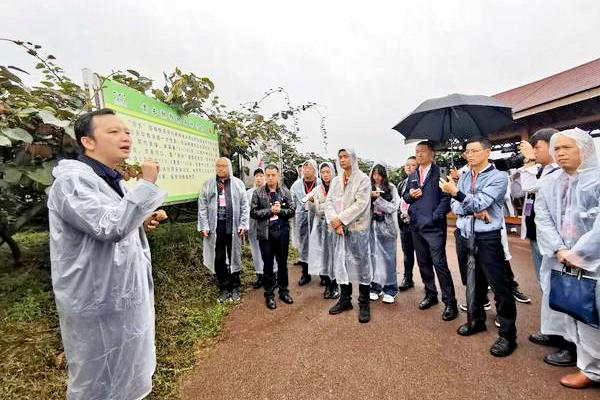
[
  {"x": 384, "y": 233},
  {"x": 349, "y": 200},
  {"x": 320, "y": 248},
  {"x": 567, "y": 218},
  {"x": 304, "y": 217}
]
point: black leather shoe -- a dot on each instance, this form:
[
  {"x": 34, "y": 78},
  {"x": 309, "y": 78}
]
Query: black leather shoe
[
  {"x": 271, "y": 305},
  {"x": 259, "y": 282},
  {"x": 341, "y": 306},
  {"x": 503, "y": 347},
  {"x": 428, "y": 302},
  {"x": 304, "y": 279},
  {"x": 286, "y": 298},
  {"x": 364, "y": 313},
  {"x": 450, "y": 312},
  {"x": 546, "y": 340},
  {"x": 561, "y": 358},
  {"x": 468, "y": 329},
  {"x": 406, "y": 284}
]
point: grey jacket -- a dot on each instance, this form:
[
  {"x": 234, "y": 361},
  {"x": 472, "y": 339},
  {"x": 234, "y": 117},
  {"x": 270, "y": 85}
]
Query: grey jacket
[{"x": 260, "y": 209}]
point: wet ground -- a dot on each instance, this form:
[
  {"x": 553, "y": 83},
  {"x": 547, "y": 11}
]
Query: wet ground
[{"x": 299, "y": 351}]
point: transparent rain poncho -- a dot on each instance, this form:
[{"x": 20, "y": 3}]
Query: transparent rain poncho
[
  {"x": 295, "y": 243},
  {"x": 384, "y": 234},
  {"x": 567, "y": 217},
  {"x": 304, "y": 217},
  {"x": 207, "y": 219},
  {"x": 350, "y": 201},
  {"x": 102, "y": 281},
  {"x": 253, "y": 238},
  {"x": 320, "y": 248}
]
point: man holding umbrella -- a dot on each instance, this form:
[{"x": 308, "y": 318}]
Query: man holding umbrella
[{"x": 477, "y": 201}]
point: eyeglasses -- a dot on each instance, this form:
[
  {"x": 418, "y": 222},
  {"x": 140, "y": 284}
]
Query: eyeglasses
[{"x": 472, "y": 151}]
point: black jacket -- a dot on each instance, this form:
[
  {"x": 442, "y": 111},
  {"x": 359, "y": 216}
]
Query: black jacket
[
  {"x": 430, "y": 209},
  {"x": 260, "y": 209}
]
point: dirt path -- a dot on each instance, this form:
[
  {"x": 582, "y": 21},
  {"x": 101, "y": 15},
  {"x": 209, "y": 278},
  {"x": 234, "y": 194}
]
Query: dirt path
[{"x": 301, "y": 352}]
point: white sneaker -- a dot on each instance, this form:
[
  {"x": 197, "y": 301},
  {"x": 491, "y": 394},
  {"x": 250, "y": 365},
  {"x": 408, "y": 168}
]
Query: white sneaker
[
  {"x": 374, "y": 296},
  {"x": 487, "y": 306},
  {"x": 388, "y": 299}
]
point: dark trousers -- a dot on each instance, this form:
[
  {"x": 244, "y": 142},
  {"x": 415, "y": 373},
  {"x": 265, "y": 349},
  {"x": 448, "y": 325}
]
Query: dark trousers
[
  {"x": 430, "y": 247},
  {"x": 408, "y": 250},
  {"x": 462, "y": 255},
  {"x": 226, "y": 279},
  {"x": 275, "y": 248},
  {"x": 490, "y": 267}
]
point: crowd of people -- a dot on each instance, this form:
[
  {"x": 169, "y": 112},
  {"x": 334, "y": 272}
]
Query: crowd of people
[{"x": 346, "y": 227}]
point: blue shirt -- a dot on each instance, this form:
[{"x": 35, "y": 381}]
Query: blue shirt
[{"x": 483, "y": 191}]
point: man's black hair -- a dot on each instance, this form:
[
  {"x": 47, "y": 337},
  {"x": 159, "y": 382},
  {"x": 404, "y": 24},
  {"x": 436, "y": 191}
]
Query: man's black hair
[
  {"x": 411, "y": 158},
  {"x": 485, "y": 143},
  {"x": 272, "y": 166},
  {"x": 84, "y": 126},
  {"x": 426, "y": 143},
  {"x": 258, "y": 171},
  {"x": 542, "y": 134}
]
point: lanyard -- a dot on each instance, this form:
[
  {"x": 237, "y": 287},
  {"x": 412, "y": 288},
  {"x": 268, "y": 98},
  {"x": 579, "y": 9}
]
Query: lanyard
[
  {"x": 422, "y": 175},
  {"x": 307, "y": 189},
  {"x": 474, "y": 176}
]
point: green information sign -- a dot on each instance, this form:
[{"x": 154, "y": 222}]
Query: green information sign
[{"x": 186, "y": 146}]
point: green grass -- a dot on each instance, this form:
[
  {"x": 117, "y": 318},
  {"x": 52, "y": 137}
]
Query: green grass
[
  {"x": 187, "y": 315},
  {"x": 29, "y": 339}
]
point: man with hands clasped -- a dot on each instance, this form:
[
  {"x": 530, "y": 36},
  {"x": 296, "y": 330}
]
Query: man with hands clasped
[{"x": 223, "y": 221}]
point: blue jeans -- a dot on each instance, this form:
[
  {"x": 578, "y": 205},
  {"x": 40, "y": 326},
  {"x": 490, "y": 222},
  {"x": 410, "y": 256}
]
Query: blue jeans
[
  {"x": 536, "y": 257},
  {"x": 391, "y": 290}
]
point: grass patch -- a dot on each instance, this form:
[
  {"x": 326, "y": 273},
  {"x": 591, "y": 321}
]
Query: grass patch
[
  {"x": 29, "y": 339},
  {"x": 187, "y": 315}
]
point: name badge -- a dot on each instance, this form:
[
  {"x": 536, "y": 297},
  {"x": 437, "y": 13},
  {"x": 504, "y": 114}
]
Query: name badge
[
  {"x": 222, "y": 201},
  {"x": 274, "y": 218}
]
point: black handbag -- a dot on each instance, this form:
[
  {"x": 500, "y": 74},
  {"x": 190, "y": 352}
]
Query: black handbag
[{"x": 573, "y": 293}]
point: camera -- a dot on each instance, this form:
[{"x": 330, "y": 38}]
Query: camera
[
  {"x": 516, "y": 160},
  {"x": 506, "y": 164}
]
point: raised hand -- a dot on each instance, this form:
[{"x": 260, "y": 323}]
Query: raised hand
[{"x": 150, "y": 171}]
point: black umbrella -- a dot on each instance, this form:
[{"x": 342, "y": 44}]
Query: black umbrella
[
  {"x": 456, "y": 116},
  {"x": 471, "y": 274}
]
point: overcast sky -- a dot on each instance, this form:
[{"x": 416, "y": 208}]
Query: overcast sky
[{"x": 368, "y": 63}]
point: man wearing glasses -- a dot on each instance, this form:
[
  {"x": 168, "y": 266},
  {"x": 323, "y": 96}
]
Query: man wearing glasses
[{"x": 477, "y": 201}]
